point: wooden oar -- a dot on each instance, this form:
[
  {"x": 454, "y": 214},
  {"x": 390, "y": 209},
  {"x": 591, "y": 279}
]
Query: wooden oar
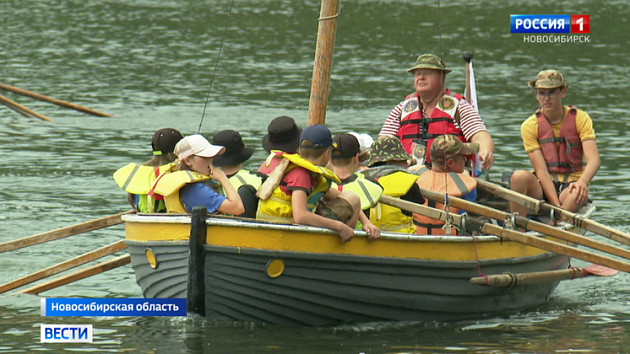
[
  {"x": 78, "y": 275},
  {"x": 21, "y": 109},
  {"x": 512, "y": 235},
  {"x": 536, "y": 206},
  {"x": 527, "y": 224},
  {"x": 52, "y": 100},
  {"x": 63, "y": 232},
  {"x": 60, "y": 267},
  {"x": 508, "y": 279}
]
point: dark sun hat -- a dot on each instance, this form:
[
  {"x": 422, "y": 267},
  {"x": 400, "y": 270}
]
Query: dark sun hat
[
  {"x": 235, "y": 150},
  {"x": 284, "y": 135}
]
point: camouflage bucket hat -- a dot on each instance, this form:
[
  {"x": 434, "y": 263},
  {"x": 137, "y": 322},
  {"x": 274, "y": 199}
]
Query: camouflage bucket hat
[
  {"x": 387, "y": 149},
  {"x": 447, "y": 146},
  {"x": 548, "y": 79},
  {"x": 429, "y": 61}
]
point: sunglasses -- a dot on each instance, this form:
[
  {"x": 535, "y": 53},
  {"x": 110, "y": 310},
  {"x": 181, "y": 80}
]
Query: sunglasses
[{"x": 551, "y": 93}]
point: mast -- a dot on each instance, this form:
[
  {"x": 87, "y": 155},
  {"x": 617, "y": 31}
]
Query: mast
[{"x": 323, "y": 61}]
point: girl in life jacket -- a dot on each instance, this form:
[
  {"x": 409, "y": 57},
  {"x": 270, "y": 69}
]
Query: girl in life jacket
[
  {"x": 183, "y": 190},
  {"x": 137, "y": 180}
]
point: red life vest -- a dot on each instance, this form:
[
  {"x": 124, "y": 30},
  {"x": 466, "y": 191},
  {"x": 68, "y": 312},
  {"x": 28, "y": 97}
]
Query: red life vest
[
  {"x": 441, "y": 122},
  {"x": 457, "y": 184},
  {"x": 563, "y": 154}
]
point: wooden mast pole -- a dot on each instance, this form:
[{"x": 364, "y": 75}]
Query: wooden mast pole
[{"x": 323, "y": 61}]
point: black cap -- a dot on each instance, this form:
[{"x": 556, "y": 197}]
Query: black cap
[
  {"x": 345, "y": 146},
  {"x": 164, "y": 140}
]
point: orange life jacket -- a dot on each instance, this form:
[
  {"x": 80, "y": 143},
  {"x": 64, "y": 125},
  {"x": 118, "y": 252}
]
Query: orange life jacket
[
  {"x": 456, "y": 184},
  {"x": 563, "y": 153}
]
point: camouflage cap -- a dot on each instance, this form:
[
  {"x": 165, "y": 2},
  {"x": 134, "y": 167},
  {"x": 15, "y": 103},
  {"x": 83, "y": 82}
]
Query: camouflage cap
[
  {"x": 387, "y": 149},
  {"x": 429, "y": 61},
  {"x": 548, "y": 79},
  {"x": 445, "y": 147}
]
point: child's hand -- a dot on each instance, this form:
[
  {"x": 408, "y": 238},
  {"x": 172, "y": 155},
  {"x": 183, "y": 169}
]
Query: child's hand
[
  {"x": 217, "y": 174},
  {"x": 346, "y": 233},
  {"x": 373, "y": 231}
]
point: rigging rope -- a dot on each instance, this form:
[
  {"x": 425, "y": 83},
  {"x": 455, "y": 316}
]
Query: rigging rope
[{"x": 216, "y": 64}]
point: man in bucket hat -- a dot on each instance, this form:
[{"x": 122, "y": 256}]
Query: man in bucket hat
[
  {"x": 433, "y": 110},
  {"x": 388, "y": 164},
  {"x": 556, "y": 138},
  {"x": 447, "y": 175}
]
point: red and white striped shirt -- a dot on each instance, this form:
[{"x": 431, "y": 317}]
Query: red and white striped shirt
[{"x": 470, "y": 122}]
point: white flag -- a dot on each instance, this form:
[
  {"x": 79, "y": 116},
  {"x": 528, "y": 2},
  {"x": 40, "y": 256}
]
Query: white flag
[{"x": 473, "y": 101}]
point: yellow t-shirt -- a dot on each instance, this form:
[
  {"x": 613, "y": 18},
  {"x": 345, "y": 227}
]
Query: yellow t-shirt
[{"x": 583, "y": 124}]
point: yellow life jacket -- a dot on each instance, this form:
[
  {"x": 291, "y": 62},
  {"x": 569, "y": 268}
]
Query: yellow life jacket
[
  {"x": 369, "y": 192},
  {"x": 456, "y": 184},
  {"x": 169, "y": 184},
  {"x": 138, "y": 179},
  {"x": 278, "y": 206},
  {"x": 388, "y": 218},
  {"x": 243, "y": 178}
]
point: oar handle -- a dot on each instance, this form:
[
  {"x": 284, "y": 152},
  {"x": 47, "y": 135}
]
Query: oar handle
[
  {"x": 473, "y": 224},
  {"x": 536, "y": 206}
]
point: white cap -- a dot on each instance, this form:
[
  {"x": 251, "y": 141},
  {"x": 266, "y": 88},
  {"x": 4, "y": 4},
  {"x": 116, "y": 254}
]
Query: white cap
[
  {"x": 365, "y": 141},
  {"x": 196, "y": 145}
]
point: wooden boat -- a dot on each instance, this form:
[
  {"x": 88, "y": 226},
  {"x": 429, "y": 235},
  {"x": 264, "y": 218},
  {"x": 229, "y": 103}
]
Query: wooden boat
[{"x": 301, "y": 275}]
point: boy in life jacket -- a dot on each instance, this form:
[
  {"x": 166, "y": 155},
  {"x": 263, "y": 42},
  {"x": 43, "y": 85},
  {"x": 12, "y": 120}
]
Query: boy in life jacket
[
  {"x": 557, "y": 138},
  {"x": 184, "y": 189},
  {"x": 283, "y": 135},
  {"x": 433, "y": 110},
  {"x": 388, "y": 165},
  {"x": 137, "y": 180},
  {"x": 245, "y": 182},
  {"x": 447, "y": 175},
  {"x": 303, "y": 194},
  {"x": 346, "y": 157}
]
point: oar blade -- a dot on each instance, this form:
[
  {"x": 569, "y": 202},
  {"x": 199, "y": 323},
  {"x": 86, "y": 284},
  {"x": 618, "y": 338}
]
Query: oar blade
[{"x": 600, "y": 270}]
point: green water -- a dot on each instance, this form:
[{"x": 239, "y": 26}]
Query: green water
[{"x": 150, "y": 64}]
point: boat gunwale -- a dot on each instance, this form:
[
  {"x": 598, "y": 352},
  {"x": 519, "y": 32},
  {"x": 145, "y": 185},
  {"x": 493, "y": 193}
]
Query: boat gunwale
[{"x": 225, "y": 221}]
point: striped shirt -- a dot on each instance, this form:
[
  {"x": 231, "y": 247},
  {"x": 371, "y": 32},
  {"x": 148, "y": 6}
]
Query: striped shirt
[{"x": 470, "y": 120}]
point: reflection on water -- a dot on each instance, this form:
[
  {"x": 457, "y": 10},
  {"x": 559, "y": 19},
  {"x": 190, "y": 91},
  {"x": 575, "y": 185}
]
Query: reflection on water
[{"x": 150, "y": 63}]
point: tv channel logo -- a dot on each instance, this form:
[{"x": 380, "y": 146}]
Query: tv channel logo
[
  {"x": 576, "y": 24},
  {"x": 66, "y": 333}
]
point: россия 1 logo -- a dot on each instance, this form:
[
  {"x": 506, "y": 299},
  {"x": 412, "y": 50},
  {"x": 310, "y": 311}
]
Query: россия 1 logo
[{"x": 574, "y": 24}]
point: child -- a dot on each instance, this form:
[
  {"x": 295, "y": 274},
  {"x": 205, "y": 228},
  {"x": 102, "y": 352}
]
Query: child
[
  {"x": 284, "y": 135},
  {"x": 245, "y": 182},
  {"x": 388, "y": 165},
  {"x": 345, "y": 160},
  {"x": 184, "y": 190},
  {"x": 448, "y": 157},
  {"x": 137, "y": 180},
  {"x": 305, "y": 182}
]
